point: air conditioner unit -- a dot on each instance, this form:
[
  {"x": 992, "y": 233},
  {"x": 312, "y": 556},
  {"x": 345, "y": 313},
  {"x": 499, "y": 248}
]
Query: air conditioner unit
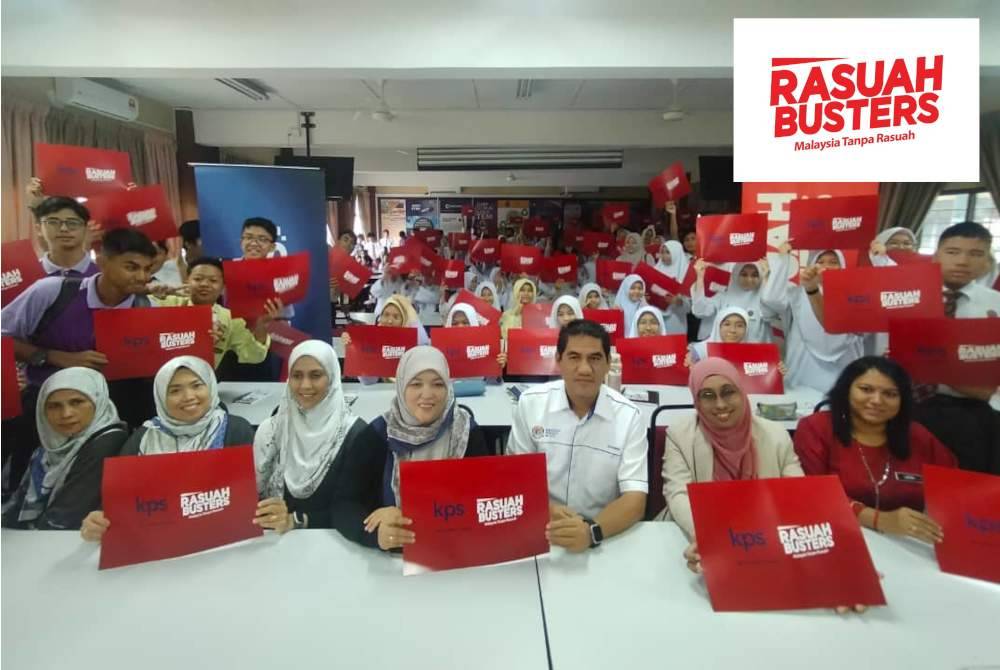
[
  {"x": 516, "y": 158},
  {"x": 94, "y": 97}
]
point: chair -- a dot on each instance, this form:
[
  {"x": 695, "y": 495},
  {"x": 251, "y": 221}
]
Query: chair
[{"x": 657, "y": 438}]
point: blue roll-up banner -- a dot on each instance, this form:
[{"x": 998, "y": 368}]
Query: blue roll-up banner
[{"x": 294, "y": 199}]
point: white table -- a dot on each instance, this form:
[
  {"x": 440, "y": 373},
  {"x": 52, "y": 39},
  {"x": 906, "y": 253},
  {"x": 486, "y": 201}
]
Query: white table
[
  {"x": 368, "y": 318},
  {"x": 308, "y": 599},
  {"x": 633, "y": 604}
]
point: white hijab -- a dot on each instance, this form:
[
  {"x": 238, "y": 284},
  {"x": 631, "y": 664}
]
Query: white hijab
[
  {"x": 553, "y": 320},
  {"x": 634, "y": 257},
  {"x": 825, "y": 346},
  {"x": 700, "y": 349},
  {"x": 165, "y": 434},
  {"x": 678, "y": 266},
  {"x": 466, "y": 309},
  {"x": 622, "y": 300},
  {"x": 884, "y": 236},
  {"x": 737, "y": 296},
  {"x": 633, "y": 330},
  {"x": 587, "y": 290},
  {"x": 492, "y": 287}
]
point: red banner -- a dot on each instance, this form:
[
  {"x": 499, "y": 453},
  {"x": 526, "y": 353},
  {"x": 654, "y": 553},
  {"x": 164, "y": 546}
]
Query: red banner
[
  {"x": 139, "y": 341},
  {"x": 485, "y": 251},
  {"x": 453, "y": 275},
  {"x": 601, "y": 244},
  {"x": 654, "y": 360},
  {"x": 351, "y": 276},
  {"x": 901, "y": 257},
  {"x": 9, "y": 387},
  {"x": 536, "y": 315},
  {"x": 471, "y": 352},
  {"x": 561, "y": 266},
  {"x": 848, "y": 222},
  {"x": 776, "y": 544},
  {"x": 862, "y": 300},
  {"x": 252, "y": 282},
  {"x": 610, "y": 274},
  {"x": 20, "y": 269},
  {"x": 671, "y": 184},
  {"x": 517, "y": 258},
  {"x": 613, "y": 321},
  {"x": 459, "y": 241},
  {"x": 375, "y": 350},
  {"x": 959, "y": 352},
  {"x": 757, "y": 362},
  {"x": 177, "y": 504},
  {"x": 615, "y": 215},
  {"x": 536, "y": 228},
  {"x": 967, "y": 506},
  {"x": 486, "y": 311},
  {"x": 735, "y": 238},
  {"x": 144, "y": 209},
  {"x": 81, "y": 171},
  {"x": 474, "y": 511},
  {"x": 532, "y": 352},
  {"x": 284, "y": 338},
  {"x": 660, "y": 288},
  {"x": 429, "y": 236}
]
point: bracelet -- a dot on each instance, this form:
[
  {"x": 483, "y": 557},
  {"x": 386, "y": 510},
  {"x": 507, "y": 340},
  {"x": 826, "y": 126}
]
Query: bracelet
[{"x": 812, "y": 292}]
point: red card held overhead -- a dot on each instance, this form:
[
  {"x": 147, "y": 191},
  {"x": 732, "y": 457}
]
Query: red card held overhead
[
  {"x": 432, "y": 266},
  {"x": 654, "y": 360},
  {"x": 967, "y": 507},
  {"x": 536, "y": 228},
  {"x": 536, "y": 315},
  {"x": 560, "y": 267},
  {"x": 610, "y": 274},
  {"x": 21, "y": 269},
  {"x": 848, "y": 222},
  {"x": 758, "y": 363},
  {"x": 471, "y": 351},
  {"x": 670, "y": 185},
  {"x": 81, "y": 171},
  {"x": 660, "y": 288},
  {"x": 486, "y": 311},
  {"x": 453, "y": 274},
  {"x": 573, "y": 237},
  {"x": 474, "y": 511},
  {"x": 171, "y": 505},
  {"x": 459, "y": 241},
  {"x": 615, "y": 214},
  {"x": 375, "y": 350},
  {"x": 532, "y": 352},
  {"x": 732, "y": 238},
  {"x": 598, "y": 243},
  {"x": 517, "y": 258},
  {"x": 252, "y": 282},
  {"x": 862, "y": 300},
  {"x": 139, "y": 341},
  {"x": 11, "y": 399},
  {"x": 144, "y": 209},
  {"x": 429, "y": 236},
  {"x": 777, "y": 544},
  {"x": 351, "y": 276},
  {"x": 716, "y": 280},
  {"x": 613, "y": 321},
  {"x": 959, "y": 352},
  {"x": 405, "y": 259},
  {"x": 485, "y": 251}
]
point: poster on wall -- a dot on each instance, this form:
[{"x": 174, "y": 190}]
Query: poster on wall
[
  {"x": 512, "y": 213},
  {"x": 392, "y": 215},
  {"x": 484, "y": 217},
  {"x": 452, "y": 220},
  {"x": 421, "y": 213}
]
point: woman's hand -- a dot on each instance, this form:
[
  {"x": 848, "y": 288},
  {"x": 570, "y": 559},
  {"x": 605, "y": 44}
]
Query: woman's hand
[
  {"x": 699, "y": 267},
  {"x": 765, "y": 269},
  {"x": 94, "y": 525},
  {"x": 847, "y": 609},
  {"x": 390, "y": 524},
  {"x": 810, "y": 278},
  {"x": 910, "y": 523},
  {"x": 688, "y": 360},
  {"x": 677, "y": 301},
  {"x": 785, "y": 248},
  {"x": 670, "y": 207},
  {"x": 877, "y": 248},
  {"x": 693, "y": 558},
  {"x": 345, "y": 339},
  {"x": 34, "y": 191},
  {"x": 502, "y": 359},
  {"x": 782, "y": 368},
  {"x": 272, "y": 514}
]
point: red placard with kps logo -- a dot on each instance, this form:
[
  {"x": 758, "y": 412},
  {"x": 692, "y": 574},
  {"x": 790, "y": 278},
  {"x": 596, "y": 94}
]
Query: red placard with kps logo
[
  {"x": 658, "y": 359},
  {"x": 21, "y": 269},
  {"x": 471, "y": 351},
  {"x": 474, "y": 511},
  {"x": 967, "y": 507},
  {"x": 671, "y": 184},
  {"x": 732, "y": 238},
  {"x": 144, "y": 209},
  {"x": 518, "y": 258},
  {"x": 375, "y": 350},
  {"x": 252, "y": 282},
  {"x": 453, "y": 274},
  {"x": 171, "y": 505},
  {"x": 862, "y": 300},
  {"x": 139, "y": 341},
  {"x": 610, "y": 274},
  {"x": 532, "y": 352},
  {"x": 487, "y": 312},
  {"x": 351, "y": 275},
  {"x": 776, "y": 544},
  {"x": 560, "y": 267},
  {"x": 81, "y": 171},
  {"x": 758, "y": 362},
  {"x": 848, "y": 222},
  {"x": 613, "y": 321},
  {"x": 485, "y": 251},
  {"x": 959, "y": 352},
  {"x": 660, "y": 288},
  {"x": 601, "y": 244},
  {"x": 8, "y": 373}
]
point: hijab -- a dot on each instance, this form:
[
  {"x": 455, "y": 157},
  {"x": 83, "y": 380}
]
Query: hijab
[
  {"x": 514, "y": 301},
  {"x": 823, "y": 345},
  {"x": 492, "y": 287},
  {"x": 622, "y": 300},
  {"x": 553, "y": 320},
  {"x": 633, "y": 330},
  {"x": 884, "y": 236},
  {"x": 410, "y": 317},
  {"x": 303, "y": 443},
  {"x": 467, "y": 310},
  {"x": 408, "y": 440},
  {"x": 587, "y": 290},
  {"x": 167, "y": 435},
  {"x": 721, "y": 316},
  {"x": 734, "y": 451},
  {"x": 678, "y": 266},
  {"x": 636, "y": 256},
  {"x": 737, "y": 296}
]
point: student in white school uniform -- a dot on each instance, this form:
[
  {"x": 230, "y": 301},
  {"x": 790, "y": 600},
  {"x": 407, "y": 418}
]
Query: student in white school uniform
[
  {"x": 673, "y": 262},
  {"x": 744, "y": 291},
  {"x": 594, "y": 440}
]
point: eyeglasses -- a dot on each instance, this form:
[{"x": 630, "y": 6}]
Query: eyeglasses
[
  {"x": 728, "y": 395},
  {"x": 260, "y": 239},
  {"x": 70, "y": 224}
]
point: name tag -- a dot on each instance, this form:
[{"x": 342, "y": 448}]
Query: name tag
[{"x": 909, "y": 477}]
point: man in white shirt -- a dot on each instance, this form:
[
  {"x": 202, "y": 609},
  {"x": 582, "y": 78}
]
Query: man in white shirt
[{"x": 594, "y": 440}]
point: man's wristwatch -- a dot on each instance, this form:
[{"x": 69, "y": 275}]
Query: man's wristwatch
[
  {"x": 596, "y": 534},
  {"x": 300, "y": 520},
  {"x": 39, "y": 358}
]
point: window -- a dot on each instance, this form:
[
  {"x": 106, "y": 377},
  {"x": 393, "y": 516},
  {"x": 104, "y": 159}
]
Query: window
[{"x": 956, "y": 206}]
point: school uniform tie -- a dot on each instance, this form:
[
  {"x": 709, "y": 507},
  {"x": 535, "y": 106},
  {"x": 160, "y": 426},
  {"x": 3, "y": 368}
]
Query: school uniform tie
[{"x": 950, "y": 297}]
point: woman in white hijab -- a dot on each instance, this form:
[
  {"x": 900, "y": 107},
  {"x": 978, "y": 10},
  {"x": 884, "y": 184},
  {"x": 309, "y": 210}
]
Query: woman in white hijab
[
  {"x": 487, "y": 290},
  {"x": 730, "y": 325},
  {"x": 464, "y": 315},
  {"x": 591, "y": 297},
  {"x": 631, "y": 296},
  {"x": 423, "y": 423},
  {"x": 891, "y": 239},
  {"x": 633, "y": 252},
  {"x": 746, "y": 281},
  {"x": 673, "y": 262},
  {"x": 648, "y": 322},
  {"x": 396, "y": 311},
  {"x": 78, "y": 427},
  {"x": 301, "y": 452},
  {"x": 564, "y": 310}
]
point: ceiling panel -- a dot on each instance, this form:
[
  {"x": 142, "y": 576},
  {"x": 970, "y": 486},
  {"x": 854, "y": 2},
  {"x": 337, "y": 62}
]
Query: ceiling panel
[
  {"x": 197, "y": 94},
  {"x": 545, "y": 94}
]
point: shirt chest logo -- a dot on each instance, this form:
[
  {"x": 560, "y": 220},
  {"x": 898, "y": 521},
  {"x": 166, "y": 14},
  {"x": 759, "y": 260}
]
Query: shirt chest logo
[{"x": 540, "y": 432}]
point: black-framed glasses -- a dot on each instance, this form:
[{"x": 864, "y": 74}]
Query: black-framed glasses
[
  {"x": 261, "y": 239},
  {"x": 69, "y": 224}
]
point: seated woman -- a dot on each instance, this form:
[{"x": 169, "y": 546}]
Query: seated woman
[
  {"x": 189, "y": 417},
  {"x": 648, "y": 322},
  {"x": 631, "y": 296},
  {"x": 78, "y": 427},
  {"x": 869, "y": 439},
  {"x": 722, "y": 441},
  {"x": 523, "y": 293},
  {"x": 423, "y": 423},
  {"x": 731, "y": 325},
  {"x": 303, "y": 452},
  {"x": 743, "y": 290},
  {"x": 463, "y": 315},
  {"x": 488, "y": 292},
  {"x": 591, "y": 297},
  {"x": 564, "y": 310},
  {"x": 393, "y": 312}
]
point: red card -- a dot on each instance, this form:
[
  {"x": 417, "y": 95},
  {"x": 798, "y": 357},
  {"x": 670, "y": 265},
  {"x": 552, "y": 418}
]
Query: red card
[
  {"x": 757, "y": 362},
  {"x": 967, "y": 506},
  {"x": 716, "y": 280},
  {"x": 862, "y": 300},
  {"x": 453, "y": 274},
  {"x": 20, "y": 269},
  {"x": 10, "y": 390},
  {"x": 375, "y": 350},
  {"x": 561, "y": 266},
  {"x": 654, "y": 360},
  {"x": 432, "y": 265},
  {"x": 144, "y": 209},
  {"x": 611, "y": 274},
  {"x": 901, "y": 257},
  {"x": 536, "y": 228},
  {"x": 284, "y": 338},
  {"x": 789, "y": 543},
  {"x": 671, "y": 184},
  {"x": 653, "y": 250},
  {"x": 459, "y": 241},
  {"x": 659, "y": 287},
  {"x": 518, "y": 258},
  {"x": 613, "y": 321},
  {"x": 404, "y": 259},
  {"x": 615, "y": 215},
  {"x": 733, "y": 238},
  {"x": 429, "y": 236},
  {"x": 139, "y": 341},
  {"x": 532, "y": 352},
  {"x": 959, "y": 352},
  {"x": 573, "y": 237},
  {"x": 471, "y": 351},
  {"x": 847, "y": 222},
  {"x": 474, "y": 511},
  {"x": 171, "y": 505},
  {"x": 602, "y": 244},
  {"x": 252, "y": 282},
  {"x": 467, "y": 210},
  {"x": 536, "y": 315},
  {"x": 486, "y": 311},
  {"x": 81, "y": 171},
  {"x": 485, "y": 250},
  {"x": 351, "y": 276}
]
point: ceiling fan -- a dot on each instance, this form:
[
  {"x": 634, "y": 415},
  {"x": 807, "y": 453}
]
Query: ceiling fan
[
  {"x": 674, "y": 112},
  {"x": 382, "y": 112}
]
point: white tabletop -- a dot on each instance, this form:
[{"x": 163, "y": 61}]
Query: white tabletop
[
  {"x": 368, "y": 318},
  {"x": 633, "y": 604},
  {"x": 308, "y": 599}
]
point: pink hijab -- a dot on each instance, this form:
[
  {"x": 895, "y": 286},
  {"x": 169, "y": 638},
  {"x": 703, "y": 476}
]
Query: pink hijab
[{"x": 735, "y": 454}]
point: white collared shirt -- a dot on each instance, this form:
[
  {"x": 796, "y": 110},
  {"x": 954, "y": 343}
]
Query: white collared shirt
[
  {"x": 975, "y": 301},
  {"x": 51, "y": 268},
  {"x": 591, "y": 461}
]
